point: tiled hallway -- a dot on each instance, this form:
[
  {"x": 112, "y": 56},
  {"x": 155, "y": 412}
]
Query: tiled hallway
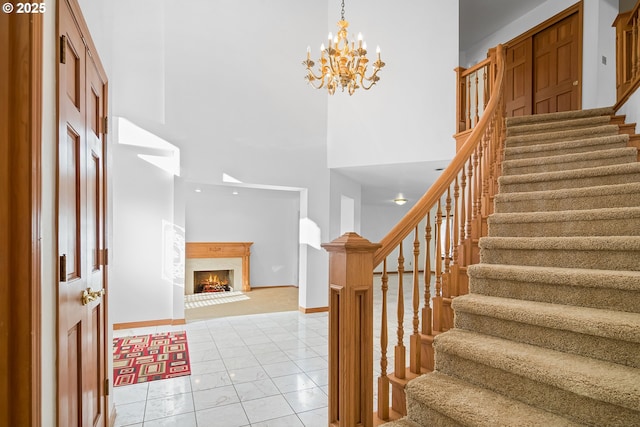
[{"x": 257, "y": 370}]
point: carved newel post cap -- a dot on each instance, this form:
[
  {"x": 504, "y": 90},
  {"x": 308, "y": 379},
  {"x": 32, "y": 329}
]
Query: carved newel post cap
[{"x": 351, "y": 242}]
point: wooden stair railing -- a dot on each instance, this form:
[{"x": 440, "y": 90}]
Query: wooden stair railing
[
  {"x": 447, "y": 222},
  {"x": 627, "y": 26}
]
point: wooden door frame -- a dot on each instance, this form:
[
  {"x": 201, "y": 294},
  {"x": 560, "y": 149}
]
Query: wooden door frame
[
  {"x": 21, "y": 45},
  {"x": 576, "y": 8}
]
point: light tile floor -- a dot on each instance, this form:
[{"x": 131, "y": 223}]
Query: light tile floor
[{"x": 257, "y": 370}]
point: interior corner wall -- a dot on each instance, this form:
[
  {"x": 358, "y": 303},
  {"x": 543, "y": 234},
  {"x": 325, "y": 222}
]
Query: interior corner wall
[
  {"x": 599, "y": 53},
  {"x": 343, "y": 186},
  {"x": 143, "y": 205},
  {"x": 409, "y": 115}
]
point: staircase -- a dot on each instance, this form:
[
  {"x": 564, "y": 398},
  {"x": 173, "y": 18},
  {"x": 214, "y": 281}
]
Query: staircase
[{"x": 549, "y": 334}]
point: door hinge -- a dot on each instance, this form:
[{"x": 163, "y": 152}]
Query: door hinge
[
  {"x": 106, "y": 387},
  {"x": 105, "y": 124},
  {"x": 63, "y": 268},
  {"x": 63, "y": 49},
  {"x": 103, "y": 257}
]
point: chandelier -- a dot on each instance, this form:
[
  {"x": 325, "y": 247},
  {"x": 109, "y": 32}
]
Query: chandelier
[{"x": 342, "y": 63}]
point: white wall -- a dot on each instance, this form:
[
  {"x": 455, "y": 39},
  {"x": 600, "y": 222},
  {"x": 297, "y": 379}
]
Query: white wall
[
  {"x": 409, "y": 115},
  {"x": 268, "y": 218},
  {"x": 143, "y": 208},
  {"x": 341, "y": 186}
]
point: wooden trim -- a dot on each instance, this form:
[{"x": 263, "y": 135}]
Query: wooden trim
[
  {"x": 313, "y": 310},
  {"x": 548, "y": 23},
  {"x": 21, "y": 47},
  {"x": 148, "y": 323}
]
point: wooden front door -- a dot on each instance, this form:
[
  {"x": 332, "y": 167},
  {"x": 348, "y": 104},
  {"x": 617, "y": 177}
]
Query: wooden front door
[
  {"x": 82, "y": 348},
  {"x": 544, "y": 67}
]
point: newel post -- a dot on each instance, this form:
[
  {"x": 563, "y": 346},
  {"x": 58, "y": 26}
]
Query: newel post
[{"x": 351, "y": 331}]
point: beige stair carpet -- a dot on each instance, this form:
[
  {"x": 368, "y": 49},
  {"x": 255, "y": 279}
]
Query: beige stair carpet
[{"x": 549, "y": 334}]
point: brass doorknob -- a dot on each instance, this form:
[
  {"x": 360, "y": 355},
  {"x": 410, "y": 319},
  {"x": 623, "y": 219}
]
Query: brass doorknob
[
  {"x": 88, "y": 295},
  {"x": 575, "y": 83}
]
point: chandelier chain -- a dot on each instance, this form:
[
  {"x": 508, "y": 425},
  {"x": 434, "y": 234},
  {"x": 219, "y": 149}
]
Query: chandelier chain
[{"x": 342, "y": 12}]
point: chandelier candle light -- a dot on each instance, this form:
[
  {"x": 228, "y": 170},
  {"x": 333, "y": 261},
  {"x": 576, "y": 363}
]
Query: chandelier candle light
[{"x": 343, "y": 64}]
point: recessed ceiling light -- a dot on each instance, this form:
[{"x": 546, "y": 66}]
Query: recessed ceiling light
[
  {"x": 400, "y": 201},
  {"x": 198, "y": 190},
  {"x": 235, "y": 193}
]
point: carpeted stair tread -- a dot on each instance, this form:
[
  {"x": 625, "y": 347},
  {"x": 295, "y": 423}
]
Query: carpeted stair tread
[
  {"x": 558, "y": 136},
  {"x": 553, "y": 125},
  {"x": 583, "y": 320},
  {"x": 562, "y": 162},
  {"x": 577, "y": 277},
  {"x": 601, "y": 196},
  {"x": 586, "y": 222},
  {"x": 564, "y": 115},
  {"x": 468, "y": 405},
  {"x": 575, "y": 178},
  {"x": 402, "y": 422},
  {"x": 573, "y": 146},
  {"x": 608, "y": 335},
  {"x": 600, "y": 252},
  {"x": 595, "y": 379}
]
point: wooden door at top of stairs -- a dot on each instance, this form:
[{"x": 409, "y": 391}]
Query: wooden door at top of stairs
[
  {"x": 82, "y": 89},
  {"x": 543, "y": 70}
]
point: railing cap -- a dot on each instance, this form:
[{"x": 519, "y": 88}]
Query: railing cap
[{"x": 351, "y": 242}]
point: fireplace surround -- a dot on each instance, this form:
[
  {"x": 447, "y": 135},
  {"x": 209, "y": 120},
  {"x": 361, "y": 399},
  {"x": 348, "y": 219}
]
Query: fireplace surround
[{"x": 219, "y": 256}]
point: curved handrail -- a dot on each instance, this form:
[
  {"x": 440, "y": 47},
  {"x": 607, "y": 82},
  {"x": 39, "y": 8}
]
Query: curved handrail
[{"x": 407, "y": 224}]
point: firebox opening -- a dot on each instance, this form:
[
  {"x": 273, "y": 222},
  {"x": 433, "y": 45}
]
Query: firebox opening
[{"x": 212, "y": 281}]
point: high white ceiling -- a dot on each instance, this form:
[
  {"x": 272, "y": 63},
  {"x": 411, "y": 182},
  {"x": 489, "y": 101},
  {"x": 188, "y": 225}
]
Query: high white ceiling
[{"x": 380, "y": 184}]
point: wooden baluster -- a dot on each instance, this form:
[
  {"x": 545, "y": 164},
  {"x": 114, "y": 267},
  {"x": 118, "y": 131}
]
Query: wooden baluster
[
  {"x": 487, "y": 90},
  {"x": 478, "y": 189},
  {"x": 414, "y": 348},
  {"x": 470, "y": 211},
  {"x": 456, "y": 238},
  {"x": 437, "y": 300},
  {"x": 634, "y": 49},
  {"x": 477, "y": 83},
  {"x": 383, "y": 380},
  {"x": 447, "y": 233},
  {"x": 468, "y": 112},
  {"x": 426, "y": 310},
  {"x": 400, "y": 351},
  {"x": 475, "y": 186},
  {"x": 463, "y": 214}
]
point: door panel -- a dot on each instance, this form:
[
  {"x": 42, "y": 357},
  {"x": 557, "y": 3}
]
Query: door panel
[
  {"x": 81, "y": 322},
  {"x": 518, "y": 89},
  {"x": 556, "y": 67}
]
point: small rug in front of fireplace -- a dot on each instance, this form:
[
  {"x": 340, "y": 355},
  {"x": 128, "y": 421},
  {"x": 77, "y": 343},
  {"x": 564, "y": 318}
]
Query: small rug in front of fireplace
[{"x": 144, "y": 358}]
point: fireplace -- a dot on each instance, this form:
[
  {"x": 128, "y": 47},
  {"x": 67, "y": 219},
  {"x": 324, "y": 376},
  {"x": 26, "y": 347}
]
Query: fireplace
[
  {"x": 212, "y": 281},
  {"x": 214, "y": 257}
]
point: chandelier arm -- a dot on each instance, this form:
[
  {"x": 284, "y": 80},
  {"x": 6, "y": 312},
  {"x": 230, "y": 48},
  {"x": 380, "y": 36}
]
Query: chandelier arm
[
  {"x": 372, "y": 79},
  {"x": 311, "y": 73}
]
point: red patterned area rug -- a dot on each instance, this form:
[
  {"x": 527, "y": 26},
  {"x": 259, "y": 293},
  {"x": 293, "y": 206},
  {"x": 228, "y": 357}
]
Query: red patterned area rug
[{"x": 150, "y": 357}]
